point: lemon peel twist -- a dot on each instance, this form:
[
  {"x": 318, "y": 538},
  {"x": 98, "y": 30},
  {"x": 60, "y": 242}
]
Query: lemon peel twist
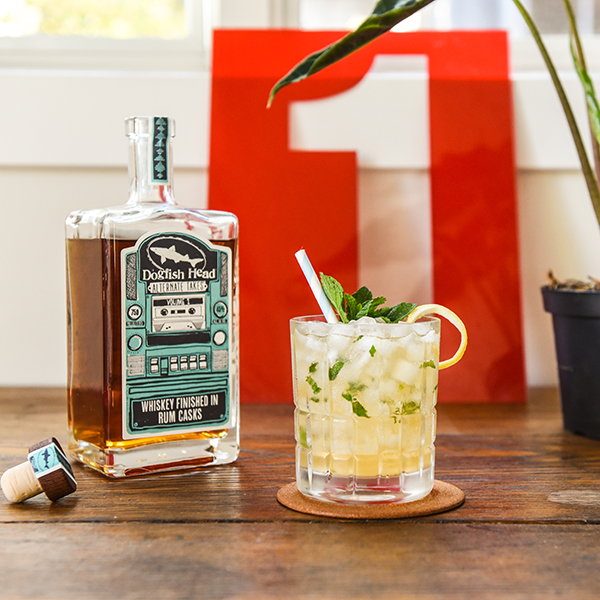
[{"x": 437, "y": 309}]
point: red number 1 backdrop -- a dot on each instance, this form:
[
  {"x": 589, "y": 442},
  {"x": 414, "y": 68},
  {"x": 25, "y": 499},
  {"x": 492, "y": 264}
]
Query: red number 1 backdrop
[{"x": 291, "y": 199}]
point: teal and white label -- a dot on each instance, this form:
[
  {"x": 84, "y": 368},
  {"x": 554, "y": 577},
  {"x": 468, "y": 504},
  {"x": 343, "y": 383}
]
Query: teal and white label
[
  {"x": 159, "y": 151},
  {"x": 48, "y": 459},
  {"x": 176, "y": 301}
]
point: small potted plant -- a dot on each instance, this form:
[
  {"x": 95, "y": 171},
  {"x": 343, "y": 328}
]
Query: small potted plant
[{"x": 574, "y": 305}]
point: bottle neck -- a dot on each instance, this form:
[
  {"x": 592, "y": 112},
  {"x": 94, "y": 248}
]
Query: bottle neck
[{"x": 150, "y": 163}]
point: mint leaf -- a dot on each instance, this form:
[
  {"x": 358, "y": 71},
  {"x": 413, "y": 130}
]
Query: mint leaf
[
  {"x": 411, "y": 408},
  {"x": 363, "y": 295},
  {"x": 364, "y": 310},
  {"x": 313, "y": 367},
  {"x": 335, "y": 294},
  {"x": 428, "y": 363},
  {"x": 352, "y": 307},
  {"x": 369, "y": 308},
  {"x": 313, "y": 384},
  {"x": 372, "y": 350},
  {"x": 356, "y": 387},
  {"x": 398, "y": 312},
  {"x": 357, "y": 408},
  {"x": 373, "y": 304},
  {"x": 335, "y": 369},
  {"x": 302, "y": 439},
  {"x": 313, "y": 399},
  {"x": 383, "y": 312}
]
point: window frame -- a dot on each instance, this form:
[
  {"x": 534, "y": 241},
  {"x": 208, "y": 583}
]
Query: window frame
[{"x": 41, "y": 51}]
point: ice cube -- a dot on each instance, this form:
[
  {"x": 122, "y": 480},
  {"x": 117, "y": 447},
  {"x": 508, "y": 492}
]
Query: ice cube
[
  {"x": 431, "y": 337},
  {"x": 406, "y": 372},
  {"x": 415, "y": 349},
  {"x": 366, "y": 320}
]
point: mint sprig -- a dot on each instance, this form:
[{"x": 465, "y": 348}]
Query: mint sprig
[{"x": 351, "y": 307}]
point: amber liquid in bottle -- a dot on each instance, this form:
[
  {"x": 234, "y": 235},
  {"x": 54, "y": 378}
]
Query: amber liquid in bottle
[{"x": 95, "y": 386}]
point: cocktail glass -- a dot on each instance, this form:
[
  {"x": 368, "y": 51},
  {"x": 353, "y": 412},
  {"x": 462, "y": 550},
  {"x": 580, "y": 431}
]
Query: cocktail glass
[{"x": 365, "y": 420}]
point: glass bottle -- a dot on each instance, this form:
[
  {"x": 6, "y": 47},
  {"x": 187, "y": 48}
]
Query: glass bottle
[{"x": 152, "y": 324}]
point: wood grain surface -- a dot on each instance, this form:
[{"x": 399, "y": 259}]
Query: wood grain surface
[{"x": 529, "y": 528}]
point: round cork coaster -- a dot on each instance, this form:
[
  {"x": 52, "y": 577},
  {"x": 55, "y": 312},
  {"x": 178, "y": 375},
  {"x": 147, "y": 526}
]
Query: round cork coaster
[{"x": 443, "y": 497}]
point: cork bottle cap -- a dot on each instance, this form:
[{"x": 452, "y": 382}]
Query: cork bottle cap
[
  {"x": 46, "y": 470},
  {"x": 20, "y": 483}
]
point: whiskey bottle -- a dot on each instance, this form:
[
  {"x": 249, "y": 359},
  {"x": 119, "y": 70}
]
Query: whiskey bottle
[{"x": 152, "y": 324}]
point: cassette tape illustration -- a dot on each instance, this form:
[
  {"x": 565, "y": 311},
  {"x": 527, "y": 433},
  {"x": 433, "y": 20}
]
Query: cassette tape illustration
[{"x": 179, "y": 313}]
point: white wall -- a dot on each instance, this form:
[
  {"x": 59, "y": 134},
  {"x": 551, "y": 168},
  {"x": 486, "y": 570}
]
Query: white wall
[{"x": 64, "y": 149}]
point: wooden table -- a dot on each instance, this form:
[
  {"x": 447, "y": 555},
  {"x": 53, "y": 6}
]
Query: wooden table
[{"x": 530, "y": 526}]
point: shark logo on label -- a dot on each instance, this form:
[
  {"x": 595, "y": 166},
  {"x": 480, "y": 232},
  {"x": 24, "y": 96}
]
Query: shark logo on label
[
  {"x": 172, "y": 254},
  {"x": 170, "y": 251}
]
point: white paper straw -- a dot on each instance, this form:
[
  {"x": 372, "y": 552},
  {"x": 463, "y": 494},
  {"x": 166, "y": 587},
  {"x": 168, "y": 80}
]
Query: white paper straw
[{"x": 315, "y": 286}]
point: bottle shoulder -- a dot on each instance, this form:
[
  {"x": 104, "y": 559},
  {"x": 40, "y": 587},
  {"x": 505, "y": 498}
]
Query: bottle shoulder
[{"x": 133, "y": 221}]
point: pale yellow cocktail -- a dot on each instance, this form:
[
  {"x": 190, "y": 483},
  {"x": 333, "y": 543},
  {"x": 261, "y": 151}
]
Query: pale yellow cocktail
[{"x": 365, "y": 395}]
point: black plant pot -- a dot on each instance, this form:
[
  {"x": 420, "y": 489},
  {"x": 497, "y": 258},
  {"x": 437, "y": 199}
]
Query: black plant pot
[{"x": 576, "y": 320}]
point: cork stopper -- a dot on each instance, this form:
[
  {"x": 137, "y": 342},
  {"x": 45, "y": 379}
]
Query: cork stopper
[
  {"x": 45, "y": 470},
  {"x": 20, "y": 483}
]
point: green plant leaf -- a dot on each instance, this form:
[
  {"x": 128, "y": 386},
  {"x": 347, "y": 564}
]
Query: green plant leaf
[
  {"x": 335, "y": 294},
  {"x": 591, "y": 98},
  {"x": 411, "y": 407},
  {"x": 362, "y": 295},
  {"x": 357, "y": 408},
  {"x": 352, "y": 307},
  {"x": 400, "y": 311},
  {"x": 385, "y": 15},
  {"x": 370, "y": 308},
  {"x": 586, "y": 82},
  {"x": 354, "y": 387},
  {"x": 388, "y": 13},
  {"x": 302, "y": 440},
  {"x": 335, "y": 369},
  {"x": 588, "y": 172},
  {"x": 364, "y": 310},
  {"x": 313, "y": 384}
]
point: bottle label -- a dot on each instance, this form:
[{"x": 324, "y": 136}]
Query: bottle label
[
  {"x": 48, "y": 459},
  {"x": 160, "y": 148},
  {"x": 176, "y": 302}
]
